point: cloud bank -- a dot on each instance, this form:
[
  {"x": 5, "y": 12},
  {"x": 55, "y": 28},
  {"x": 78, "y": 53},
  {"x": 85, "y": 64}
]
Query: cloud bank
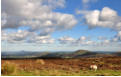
[
  {"x": 33, "y": 21},
  {"x": 37, "y": 16}
]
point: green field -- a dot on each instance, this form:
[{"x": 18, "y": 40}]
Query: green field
[{"x": 66, "y": 73}]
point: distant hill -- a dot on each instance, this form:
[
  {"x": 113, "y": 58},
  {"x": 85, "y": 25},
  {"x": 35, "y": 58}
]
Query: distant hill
[
  {"x": 22, "y": 54},
  {"x": 81, "y": 51},
  {"x": 75, "y": 54},
  {"x": 117, "y": 53}
]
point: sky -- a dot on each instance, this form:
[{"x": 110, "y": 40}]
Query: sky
[{"x": 61, "y": 25}]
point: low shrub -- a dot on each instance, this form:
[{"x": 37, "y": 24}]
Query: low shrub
[
  {"x": 40, "y": 61},
  {"x": 8, "y": 68}
]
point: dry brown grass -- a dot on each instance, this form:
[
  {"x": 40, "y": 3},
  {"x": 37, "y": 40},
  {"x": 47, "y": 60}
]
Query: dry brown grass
[
  {"x": 63, "y": 67},
  {"x": 40, "y": 61},
  {"x": 8, "y": 68}
]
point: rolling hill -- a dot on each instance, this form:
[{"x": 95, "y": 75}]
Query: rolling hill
[{"x": 47, "y": 55}]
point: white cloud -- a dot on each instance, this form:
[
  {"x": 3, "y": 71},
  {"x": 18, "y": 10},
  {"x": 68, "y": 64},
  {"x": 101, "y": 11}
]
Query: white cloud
[
  {"x": 115, "y": 39},
  {"x": 92, "y": 18},
  {"x": 90, "y": 42},
  {"x": 75, "y": 42},
  {"x": 26, "y": 37},
  {"x": 41, "y": 40},
  {"x": 35, "y": 14},
  {"x": 107, "y": 17},
  {"x": 82, "y": 39},
  {"x": 118, "y": 36},
  {"x": 13, "y": 37},
  {"x": 66, "y": 40},
  {"x": 108, "y": 14},
  {"x": 106, "y": 41},
  {"x": 85, "y": 41}
]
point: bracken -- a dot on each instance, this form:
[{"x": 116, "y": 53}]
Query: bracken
[
  {"x": 40, "y": 61},
  {"x": 8, "y": 68}
]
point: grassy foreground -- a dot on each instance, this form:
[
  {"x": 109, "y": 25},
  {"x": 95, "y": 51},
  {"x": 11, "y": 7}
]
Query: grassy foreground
[
  {"x": 66, "y": 73},
  {"x": 61, "y": 67}
]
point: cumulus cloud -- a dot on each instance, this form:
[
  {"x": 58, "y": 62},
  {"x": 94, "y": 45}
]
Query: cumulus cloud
[
  {"x": 66, "y": 40},
  {"x": 13, "y": 37},
  {"x": 26, "y": 37},
  {"x": 41, "y": 40},
  {"x": 35, "y": 15},
  {"x": 90, "y": 42},
  {"x": 107, "y": 17},
  {"x": 117, "y": 38},
  {"x": 119, "y": 35},
  {"x": 106, "y": 41},
  {"x": 83, "y": 40}
]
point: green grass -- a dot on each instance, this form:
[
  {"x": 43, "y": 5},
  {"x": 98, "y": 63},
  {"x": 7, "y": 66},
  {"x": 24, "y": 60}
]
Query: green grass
[{"x": 67, "y": 73}]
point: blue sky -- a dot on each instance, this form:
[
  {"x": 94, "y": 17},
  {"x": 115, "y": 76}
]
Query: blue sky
[{"x": 61, "y": 25}]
